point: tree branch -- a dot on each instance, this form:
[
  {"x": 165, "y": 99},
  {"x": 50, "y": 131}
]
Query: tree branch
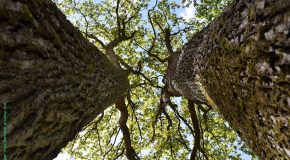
[
  {"x": 96, "y": 39},
  {"x": 133, "y": 106},
  {"x": 149, "y": 51},
  {"x": 113, "y": 142},
  {"x": 182, "y": 118},
  {"x": 151, "y": 54},
  {"x": 196, "y": 147},
  {"x": 121, "y": 106},
  {"x": 118, "y": 18},
  {"x": 168, "y": 41}
]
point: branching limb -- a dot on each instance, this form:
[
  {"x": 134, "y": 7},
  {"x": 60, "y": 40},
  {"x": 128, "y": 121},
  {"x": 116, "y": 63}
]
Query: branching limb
[
  {"x": 99, "y": 140},
  {"x": 168, "y": 119},
  {"x": 164, "y": 100},
  {"x": 97, "y": 122},
  {"x": 133, "y": 106},
  {"x": 167, "y": 37},
  {"x": 177, "y": 115},
  {"x": 151, "y": 54},
  {"x": 168, "y": 41},
  {"x": 196, "y": 147},
  {"x": 83, "y": 15},
  {"x": 120, "y": 154},
  {"x": 182, "y": 118},
  {"x": 113, "y": 142},
  {"x": 202, "y": 146},
  {"x": 182, "y": 30},
  {"x": 151, "y": 48},
  {"x": 96, "y": 39},
  {"x": 172, "y": 153},
  {"x": 118, "y": 18},
  {"x": 121, "y": 106},
  {"x": 152, "y": 26}
]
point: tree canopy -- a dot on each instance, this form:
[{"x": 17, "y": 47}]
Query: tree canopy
[{"x": 140, "y": 36}]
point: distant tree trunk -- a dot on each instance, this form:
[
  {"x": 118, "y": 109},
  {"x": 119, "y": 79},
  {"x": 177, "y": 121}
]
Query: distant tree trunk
[
  {"x": 240, "y": 65},
  {"x": 53, "y": 80}
]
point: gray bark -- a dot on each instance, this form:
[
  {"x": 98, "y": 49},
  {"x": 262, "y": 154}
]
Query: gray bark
[
  {"x": 240, "y": 65},
  {"x": 53, "y": 80}
]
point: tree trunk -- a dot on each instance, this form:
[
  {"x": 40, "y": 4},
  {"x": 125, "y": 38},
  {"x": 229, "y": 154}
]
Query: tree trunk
[
  {"x": 53, "y": 80},
  {"x": 240, "y": 65}
]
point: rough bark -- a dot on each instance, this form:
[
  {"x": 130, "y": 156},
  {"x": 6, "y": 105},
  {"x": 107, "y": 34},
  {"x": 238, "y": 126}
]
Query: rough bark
[
  {"x": 240, "y": 65},
  {"x": 53, "y": 80}
]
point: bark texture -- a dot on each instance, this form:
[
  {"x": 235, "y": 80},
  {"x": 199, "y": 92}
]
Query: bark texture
[
  {"x": 240, "y": 65},
  {"x": 53, "y": 80}
]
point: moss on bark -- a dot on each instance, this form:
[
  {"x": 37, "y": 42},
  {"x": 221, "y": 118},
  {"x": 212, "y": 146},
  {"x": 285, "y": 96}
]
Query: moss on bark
[{"x": 241, "y": 62}]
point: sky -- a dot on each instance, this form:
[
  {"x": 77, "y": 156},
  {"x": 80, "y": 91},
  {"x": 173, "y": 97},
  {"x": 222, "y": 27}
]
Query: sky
[{"x": 188, "y": 13}]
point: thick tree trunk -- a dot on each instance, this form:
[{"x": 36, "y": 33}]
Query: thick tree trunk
[
  {"x": 240, "y": 65},
  {"x": 53, "y": 80}
]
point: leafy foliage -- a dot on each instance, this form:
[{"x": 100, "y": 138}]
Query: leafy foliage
[{"x": 140, "y": 36}]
